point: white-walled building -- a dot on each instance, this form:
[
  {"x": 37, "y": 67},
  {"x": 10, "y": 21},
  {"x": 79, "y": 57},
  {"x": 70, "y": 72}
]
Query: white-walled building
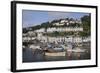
[
  {"x": 67, "y": 29},
  {"x": 40, "y": 30},
  {"x": 64, "y": 21},
  {"x": 67, "y": 22},
  {"x": 60, "y": 39},
  {"x": 31, "y": 33}
]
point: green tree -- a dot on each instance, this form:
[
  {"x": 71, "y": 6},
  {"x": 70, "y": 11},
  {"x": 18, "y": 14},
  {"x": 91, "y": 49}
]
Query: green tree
[{"x": 86, "y": 21}]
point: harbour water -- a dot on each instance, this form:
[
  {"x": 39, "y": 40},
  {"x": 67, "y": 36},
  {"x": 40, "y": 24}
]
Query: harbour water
[{"x": 30, "y": 55}]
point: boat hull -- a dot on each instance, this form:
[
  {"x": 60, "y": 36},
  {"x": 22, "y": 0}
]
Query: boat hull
[{"x": 55, "y": 53}]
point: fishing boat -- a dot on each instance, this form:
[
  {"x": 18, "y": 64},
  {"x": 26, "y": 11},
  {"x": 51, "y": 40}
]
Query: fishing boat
[
  {"x": 55, "y": 53},
  {"x": 76, "y": 50}
]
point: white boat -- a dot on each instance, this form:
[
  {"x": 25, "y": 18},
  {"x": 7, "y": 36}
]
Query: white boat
[
  {"x": 23, "y": 46},
  {"x": 34, "y": 47},
  {"x": 55, "y": 53},
  {"x": 76, "y": 50},
  {"x": 58, "y": 49}
]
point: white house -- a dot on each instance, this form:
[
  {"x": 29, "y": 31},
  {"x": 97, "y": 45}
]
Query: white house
[
  {"x": 78, "y": 21},
  {"x": 72, "y": 22},
  {"x": 64, "y": 21},
  {"x": 40, "y": 30},
  {"x": 67, "y": 29},
  {"x": 58, "y": 24},
  {"x": 31, "y": 33}
]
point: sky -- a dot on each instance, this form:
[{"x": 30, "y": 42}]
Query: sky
[{"x": 34, "y": 17}]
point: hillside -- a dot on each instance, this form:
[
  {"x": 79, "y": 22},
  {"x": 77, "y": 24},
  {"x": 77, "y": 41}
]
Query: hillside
[{"x": 84, "y": 23}]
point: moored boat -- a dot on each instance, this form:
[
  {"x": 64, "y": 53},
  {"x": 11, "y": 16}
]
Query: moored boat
[
  {"x": 76, "y": 50},
  {"x": 55, "y": 53}
]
